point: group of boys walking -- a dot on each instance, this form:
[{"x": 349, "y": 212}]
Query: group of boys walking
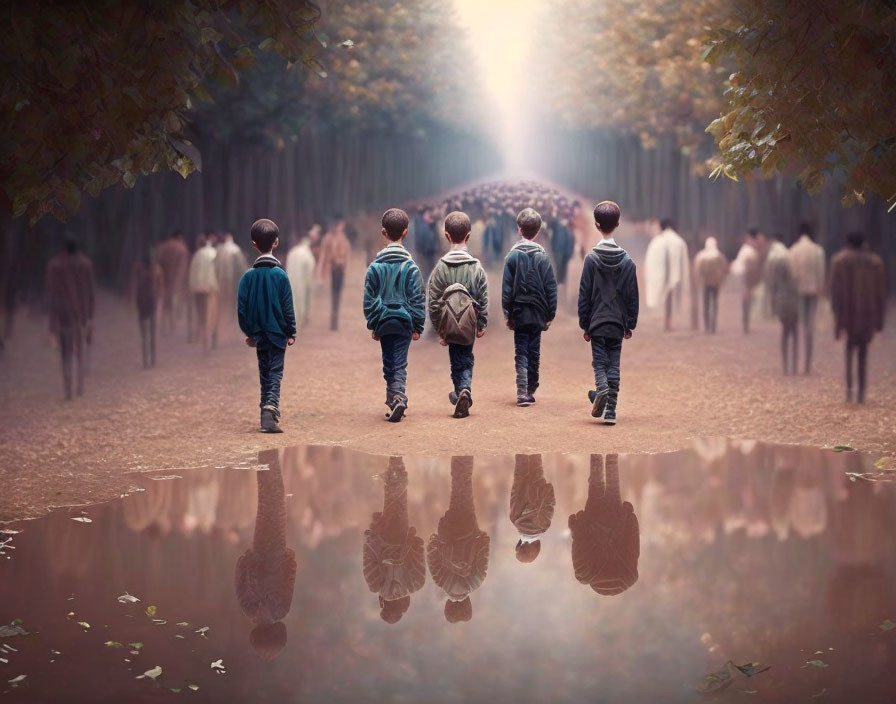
[{"x": 395, "y": 307}]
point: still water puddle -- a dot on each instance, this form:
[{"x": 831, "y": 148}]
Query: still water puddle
[{"x": 328, "y": 575}]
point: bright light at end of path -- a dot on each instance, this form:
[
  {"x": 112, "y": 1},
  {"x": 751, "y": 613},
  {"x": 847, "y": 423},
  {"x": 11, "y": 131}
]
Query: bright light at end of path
[{"x": 502, "y": 35}]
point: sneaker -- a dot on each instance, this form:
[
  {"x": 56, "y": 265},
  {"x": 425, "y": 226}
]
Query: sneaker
[
  {"x": 598, "y": 400},
  {"x": 452, "y": 398},
  {"x": 523, "y": 400},
  {"x": 269, "y": 421},
  {"x": 531, "y": 396},
  {"x": 464, "y": 401},
  {"x": 610, "y": 417},
  {"x": 396, "y": 410}
]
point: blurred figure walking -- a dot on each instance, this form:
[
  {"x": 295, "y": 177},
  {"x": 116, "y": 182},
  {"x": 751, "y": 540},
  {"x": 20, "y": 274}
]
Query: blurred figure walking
[
  {"x": 300, "y": 270},
  {"x": 173, "y": 257},
  {"x": 149, "y": 287},
  {"x": 748, "y": 266},
  {"x": 70, "y": 293},
  {"x": 668, "y": 270},
  {"x": 808, "y": 261},
  {"x": 230, "y": 265},
  {"x": 335, "y": 252},
  {"x": 784, "y": 297},
  {"x": 859, "y": 299},
  {"x": 710, "y": 268},
  {"x": 203, "y": 282}
]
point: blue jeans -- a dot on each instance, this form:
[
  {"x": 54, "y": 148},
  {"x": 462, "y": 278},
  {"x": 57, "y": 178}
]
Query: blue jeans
[
  {"x": 605, "y": 355},
  {"x": 527, "y": 347},
  {"x": 395, "y": 365},
  {"x": 270, "y": 371},
  {"x": 461, "y": 358}
]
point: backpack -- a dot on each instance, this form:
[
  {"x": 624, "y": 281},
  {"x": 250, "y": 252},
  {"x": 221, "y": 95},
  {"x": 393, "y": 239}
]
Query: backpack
[{"x": 459, "y": 321}]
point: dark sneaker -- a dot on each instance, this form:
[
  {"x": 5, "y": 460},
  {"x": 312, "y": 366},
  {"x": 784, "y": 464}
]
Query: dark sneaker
[
  {"x": 464, "y": 401},
  {"x": 598, "y": 400},
  {"x": 396, "y": 410},
  {"x": 531, "y": 396},
  {"x": 524, "y": 400},
  {"x": 269, "y": 422},
  {"x": 452, "y": 398},
  {"x": 610, "y": 417}
]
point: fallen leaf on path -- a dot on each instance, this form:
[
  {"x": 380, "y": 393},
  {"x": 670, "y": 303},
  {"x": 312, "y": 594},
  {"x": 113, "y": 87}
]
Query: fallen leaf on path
[
  {"x": 151, "y": 611},
  {"x": 887, "y": 625},
  {"x": 82, "y": 519},
  {"x": 10, "y": 631},
  {"x": 151, "y": 674},
  {"x": 16, "y": 680},
  {"x": 817, "y": 663},
  {"x": 84, "y": 624},
  {"x": 127, "y": 599},
  {"x": 844, "y": 448},
  {"x": 113, "y": 644}
]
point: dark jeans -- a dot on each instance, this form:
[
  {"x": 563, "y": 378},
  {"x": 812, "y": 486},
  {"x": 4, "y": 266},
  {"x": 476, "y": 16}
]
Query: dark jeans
[
  {"x": 395, "y": 365},
  {"x": 148, "y": 340},
  {"x": 789, "y": 332},
  {"x": 809, "y": 307},
  {"x": 270, "y": 372},
  {"x": 461, "y": 358},
  {"x": 746, "y": 309},
  {"x": 337, "y": 278},
  {"x": 861, "y": 348},
  {"x": 527, "y": 346},
  {"x": 710, "y": 308},
  {"x": 605, "y": 355}
]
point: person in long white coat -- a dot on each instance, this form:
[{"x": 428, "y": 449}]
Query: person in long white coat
[
  {"x": 300, "y": 270},
  {"x": 668, "y": 270}
]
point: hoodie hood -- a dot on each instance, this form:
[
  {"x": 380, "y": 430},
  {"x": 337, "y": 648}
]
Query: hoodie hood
[
  {"x": 393, "y": 254},
  {"x": 457, "y": 257},
  {"x": 528, "y": 247},
  {"x": 610, "y": 255}
]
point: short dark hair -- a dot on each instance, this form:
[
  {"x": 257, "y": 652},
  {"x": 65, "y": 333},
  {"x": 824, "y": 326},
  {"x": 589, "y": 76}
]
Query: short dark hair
[
  {"x": 529, "y": 222},
  {"x": 606, "y": 216},
  {"x": 855, "y": 239},
  {"x": 457, "y": 611},
  {"x": 395, "y": 223},
  {"x": 264, "y": 233},
  {"x": 753, "y": 231},
  {"x": 70, "y": 242},
  {"x": 667, "y": 224},
  {"x": 458, "y": 226},
  {"x": 806, "y": 229}
]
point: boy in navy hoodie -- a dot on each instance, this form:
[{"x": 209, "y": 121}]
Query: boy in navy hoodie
[
  {"x": 395, "y": 308},
  {"x": 529, "y": 300},
  {"x": 266, "y": 317},
  {"x": 608, "y": 309}
]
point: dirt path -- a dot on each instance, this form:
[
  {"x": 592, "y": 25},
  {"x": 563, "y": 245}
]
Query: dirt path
[{"x": 202, "y": 410}]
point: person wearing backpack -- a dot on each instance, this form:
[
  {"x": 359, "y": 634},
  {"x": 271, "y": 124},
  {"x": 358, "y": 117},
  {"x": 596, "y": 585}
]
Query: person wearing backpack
[
  {"x": 529, "y": 300},
  {"x": 458, "y": 308},
  {"x": 608, "y": 309},
  {"x": 395, "y": 308}
]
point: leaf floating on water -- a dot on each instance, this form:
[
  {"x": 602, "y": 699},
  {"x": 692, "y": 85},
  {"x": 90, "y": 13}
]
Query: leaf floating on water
[
  {"x": 844, "y": 448},
  {"x": 127, "y": 599},
  {"x": 151, "y": 674},
  {"x": 9, "y": 531},
  {"x": 12, "y": 630},
  {"x": 752, "y": 668},
  {"x": 716, "y": 682},
  {"x": 166, "y": 477},
  {"x": 135, "y": 646},
  {"x": 817, "y": 663},
  {"x": 151, "y": 611},
  {"x": 82, "y": 519},
  {"x": 183, "y": 624},
  {"x": 113, "y": 644},
  {"x": 885, "y": 463},
  {"x": 202, "y": 631},
  {"x": 84, "y": 624},
  {"x": 16, "y": 680},
  {"x": 887, "y": 625},
  {"x": 218, "y": 666},
  {"x": 194, "y": 687}
]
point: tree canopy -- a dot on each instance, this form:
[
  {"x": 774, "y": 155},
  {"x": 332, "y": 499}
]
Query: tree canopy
[{"x": 96, "y": 94}]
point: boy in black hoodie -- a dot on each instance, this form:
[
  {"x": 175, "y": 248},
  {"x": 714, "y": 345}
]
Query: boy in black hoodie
[
  {"x": 529, "y": 300},
  {"x": 608, "y": 309}
]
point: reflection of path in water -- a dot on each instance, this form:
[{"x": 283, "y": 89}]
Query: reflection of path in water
[
  {"x": 266, "y": 572},
  {"x": 531, "y": 505},
  {"x": 606, "y": 541},
  {"x": 394, "y": 564},
  {"x": 458, "y": 553}
]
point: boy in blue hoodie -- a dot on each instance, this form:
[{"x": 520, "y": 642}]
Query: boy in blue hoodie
[
  {"x": 395, "y": 308},
  {"x": 266, "y": 317},
  {"x": 529, "y": 300},
  {"x": 608, "y": 309}
]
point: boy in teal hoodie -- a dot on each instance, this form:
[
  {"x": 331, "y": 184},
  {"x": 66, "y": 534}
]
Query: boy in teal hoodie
[
  {"x": 267, "y": 319},
  {"x": 394, "y": 306}
]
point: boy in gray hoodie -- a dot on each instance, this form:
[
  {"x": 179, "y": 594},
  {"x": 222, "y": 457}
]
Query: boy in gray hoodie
[
  {"x": 458, "y": 308},
  {"x": 608, "y": 309}
]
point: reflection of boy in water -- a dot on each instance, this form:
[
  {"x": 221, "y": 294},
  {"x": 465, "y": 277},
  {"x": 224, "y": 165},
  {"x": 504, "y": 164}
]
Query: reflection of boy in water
[
  {"x": 393, "y": 552},
  {"x": 266, "y": 572},
  {"x": 458, "y": 553},
  {"x": 531, "y": 505},
  {"x": 606, "y": 540}
]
